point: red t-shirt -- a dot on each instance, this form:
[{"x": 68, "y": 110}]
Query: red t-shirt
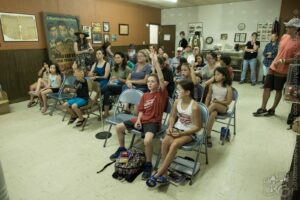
[
  {"x": 288, "y": 48},
  {"x": 153, "y": 106}
]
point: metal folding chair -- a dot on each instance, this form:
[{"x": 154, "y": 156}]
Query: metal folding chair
[
  {"x": 60, "y": 96},
  {"x": 229, "y": 115},
  {"x": 196, "y": 144},
  {"x": 130, "y": 96}
]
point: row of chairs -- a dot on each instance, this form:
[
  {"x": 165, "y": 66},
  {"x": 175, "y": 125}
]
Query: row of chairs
[{"x": 132, "y": 96}]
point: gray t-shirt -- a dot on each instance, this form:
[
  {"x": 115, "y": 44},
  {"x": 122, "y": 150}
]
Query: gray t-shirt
[
  {"x": 141, "y": 74},
  {"x": 206, "y": 73}
]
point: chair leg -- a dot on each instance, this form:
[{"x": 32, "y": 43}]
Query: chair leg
[
  {"x": 63, "y": 119},
  {"x": 206, "y": 152},
  {"x": 104, "y": 145},
  {"x": 84, "y": 123},
  {"x": 157, "y": 161},
  {"x": 132, "y": 141},
  {"x": 53, "y": 108},
  {"x": 234, "y": 121}
]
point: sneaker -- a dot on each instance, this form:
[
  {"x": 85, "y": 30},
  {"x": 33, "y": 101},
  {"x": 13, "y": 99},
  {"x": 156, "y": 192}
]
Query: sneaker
[
  {"x": 114, "y": 156},
  {"x": 270, "y": 112},
  {"x": 253, "y": 84},
  {"x": 147, "y": 171},
  {"x": 72, "y": 120},
  {"x": 260, "y": 112},
  {"x": 242, "y": 82}
]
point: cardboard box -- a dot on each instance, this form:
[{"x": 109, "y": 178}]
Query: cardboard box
[{"x": 4, "y": 103}]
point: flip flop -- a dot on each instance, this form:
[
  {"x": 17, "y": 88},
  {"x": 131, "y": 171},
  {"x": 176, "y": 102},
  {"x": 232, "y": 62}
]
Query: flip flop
[
  {"x": 80, "y": 122},
  {"x": 151, "y": 182}
]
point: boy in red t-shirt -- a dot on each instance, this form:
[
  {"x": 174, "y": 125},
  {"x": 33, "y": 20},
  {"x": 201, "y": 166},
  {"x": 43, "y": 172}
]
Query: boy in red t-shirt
[{"x": 151, "y": 108}]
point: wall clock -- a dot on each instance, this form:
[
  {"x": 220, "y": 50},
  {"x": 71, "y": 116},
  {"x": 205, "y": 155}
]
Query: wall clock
[
  {"x": 241, "y": 26},
  {"x": 209, "y": 40}
]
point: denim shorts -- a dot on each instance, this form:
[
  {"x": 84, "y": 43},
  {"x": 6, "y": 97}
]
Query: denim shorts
[{"x": 77, "y": 100}]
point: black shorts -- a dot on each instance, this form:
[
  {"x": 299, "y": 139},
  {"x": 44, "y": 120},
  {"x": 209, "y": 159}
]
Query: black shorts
[
  {"x": 274, "y": 82},
  {"x": 55, "y": 90},
  {"x": 147, "y": 127}
]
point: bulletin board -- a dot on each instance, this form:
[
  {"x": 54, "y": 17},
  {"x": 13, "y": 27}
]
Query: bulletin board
[
  {"x": 18, "y": 27},
  {"x": 264, "y": 31}
]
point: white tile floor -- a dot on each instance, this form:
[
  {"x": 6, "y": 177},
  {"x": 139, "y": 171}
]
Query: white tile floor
[{"x": 45, "y": 159}]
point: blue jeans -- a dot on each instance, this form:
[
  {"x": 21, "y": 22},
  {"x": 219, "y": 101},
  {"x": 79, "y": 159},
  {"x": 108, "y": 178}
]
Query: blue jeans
[{"x": 252, "y": 63}]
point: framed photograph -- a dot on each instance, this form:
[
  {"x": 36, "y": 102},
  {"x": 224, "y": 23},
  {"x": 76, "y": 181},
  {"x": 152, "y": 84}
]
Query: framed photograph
[
  {"x": 88, "y": 30},
  {"x": 18, "y": 27},
  {"x": 240, "y": 37},
  {"x": 60, "y": 38},
  {"x": 224, "y": 36},
  {"x": 106, "y": 37},
  {"x": 113, "y": 37},
  {"x": 106, "y": 27},
  {"x": 195, "y": 27},
  {"x": 97, "y": 38},
  {"x": 96, "y": 27},
  {"x": 123, "y": 29}
]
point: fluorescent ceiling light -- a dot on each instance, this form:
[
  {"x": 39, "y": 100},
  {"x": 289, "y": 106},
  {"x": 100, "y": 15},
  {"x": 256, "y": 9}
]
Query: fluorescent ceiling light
[{"x": 173, "y": 1}]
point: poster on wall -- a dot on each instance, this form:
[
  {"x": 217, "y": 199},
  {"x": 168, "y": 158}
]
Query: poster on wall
[
  {"x": 59, "y": 30},
  {"x": 264, "y": 31},
  {"x": 88, "y": 30},
  {"x": 193, "y": 27},
  {"x": 18, "y": 27}
]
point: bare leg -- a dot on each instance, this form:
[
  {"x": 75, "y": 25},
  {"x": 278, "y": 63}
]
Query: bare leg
[
  {"x": 67, "y": 107},
  {"x": 214, "y": 109},
  {"x": 32, "y": 88},
  {"x": 266, "y": 96},
  {"x": 277, "y": 99},
  {"x": 106, "y": 111},
  {"x": 77, "y": 111},
  {"x": 120, "y": 129},
  {"x": 44, "y": 98},
  {"x": 148, "y": 146},
  {"x": 177, "y": 143}
]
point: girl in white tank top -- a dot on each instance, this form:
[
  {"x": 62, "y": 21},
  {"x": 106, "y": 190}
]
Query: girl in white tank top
[
  {"x": 179, "y": 133},
  {"x": 218, "y": 98}
]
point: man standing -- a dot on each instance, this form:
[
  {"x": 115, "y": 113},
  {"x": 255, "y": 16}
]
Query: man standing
[
  {"x": 183, "y": 42},
  {"x": 289, "y": 49}
]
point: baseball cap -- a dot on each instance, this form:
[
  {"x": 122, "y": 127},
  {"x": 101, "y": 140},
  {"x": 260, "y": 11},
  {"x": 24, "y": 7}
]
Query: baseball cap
[
  {"x": 179, "y": 49},
  {"x": 294, "y": 22}
]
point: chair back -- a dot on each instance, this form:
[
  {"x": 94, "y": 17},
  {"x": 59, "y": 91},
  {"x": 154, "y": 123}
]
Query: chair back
[
  {"x": 168, "y": 109},
  {"x": 204, "y": 114},
  {"x": 235, "y": 94},
  {"x": 131, "y": 96}
]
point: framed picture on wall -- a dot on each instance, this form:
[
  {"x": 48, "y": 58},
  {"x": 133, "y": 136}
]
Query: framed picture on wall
[
  {"x": 224, "y": 36},
  {"x": 106, "y": 37},
  {"x": 60, "y": 38},
  {"x": 88, "y": 30},
  {"x": 106, "y": 27},
  {"x": 195, "y": 27},
  {"x": 18, "y": 27},
  {"x": 123, "y": 29},
  {"x": 96, "y": 27},
  {"x": 97, "y": 38},
  {"x": 113, "y": 37},
  {"x": 240, "y": 37}
]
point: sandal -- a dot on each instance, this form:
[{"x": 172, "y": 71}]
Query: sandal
[
  {"x": 80, "y": 122},
  {"x": 151, "y": 182},
  {"x": 209, "y": 142},
  {"x": 30, "y": 104},
  {"x": 162, "y": 180},
  {"x": 270, "y": 112},
  {"x": 72, "y": 120}
]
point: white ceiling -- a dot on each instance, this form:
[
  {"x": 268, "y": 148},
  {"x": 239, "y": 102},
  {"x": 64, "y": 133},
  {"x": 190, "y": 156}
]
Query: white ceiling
[{"x": 163, "y": 4}]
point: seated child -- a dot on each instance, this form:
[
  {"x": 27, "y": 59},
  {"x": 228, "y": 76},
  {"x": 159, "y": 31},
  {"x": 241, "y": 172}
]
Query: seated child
[
  {"x": 151, "y": 108},
  {"x": 218, "y": 98},
  {"x": 179, "y": 133},
  {"x": 42, "y": 81},
  {"x": 53, "y": 86},
  {"x": 82, "y": 96}
]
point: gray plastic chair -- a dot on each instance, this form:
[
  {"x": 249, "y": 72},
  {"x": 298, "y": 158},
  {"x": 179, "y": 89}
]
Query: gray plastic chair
[
  {"x": 130, "y": 96},
  {"x": 229, "y": 115}
]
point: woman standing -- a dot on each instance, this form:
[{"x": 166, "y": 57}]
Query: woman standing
[{"x": 83, "y": 50}]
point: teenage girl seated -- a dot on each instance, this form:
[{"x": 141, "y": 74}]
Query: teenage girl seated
[
  {"x": 82, "y": 96},
  {"x": 218, "y": 98},
  {"x": 42, "y": 81},
  {"x": 53, "y": 86},
  {"x": 179, "y": 133}
]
